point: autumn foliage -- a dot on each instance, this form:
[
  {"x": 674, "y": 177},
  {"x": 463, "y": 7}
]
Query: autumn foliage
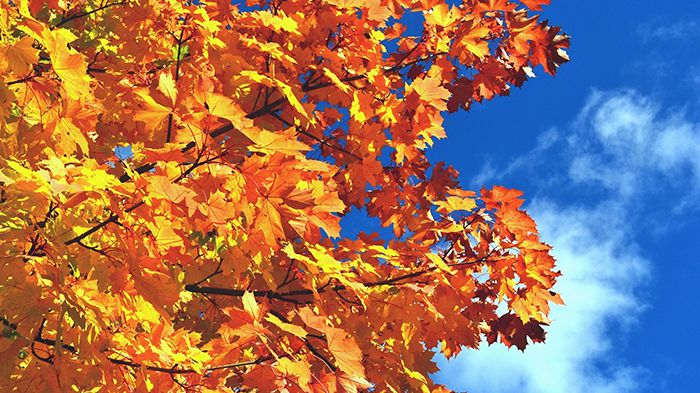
[{"x": 207, "y": 254}]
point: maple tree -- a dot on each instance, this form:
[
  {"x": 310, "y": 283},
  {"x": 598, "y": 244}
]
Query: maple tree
[{"x": 210, "y": 258}]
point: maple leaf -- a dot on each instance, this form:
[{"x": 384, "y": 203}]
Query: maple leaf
[
  {"x": 226, "y": 108},
  {"x": 251, "y": 306},
  {"x": 152, "y": 113},
  {"x": 535, "y": 4},
  {"x": 442, "y": 15},
  {"x": 512, "y": 331},
  {"x": 347, "y": 353},
  {"x": 161, "y": 187},
  {"x": 68, "y": 64},
  {"x": 20, "y": 56},
  {"x": 299, "y": 370},
  {"x": 164, "y": 234},
  {"x": 430, "y": 90}
]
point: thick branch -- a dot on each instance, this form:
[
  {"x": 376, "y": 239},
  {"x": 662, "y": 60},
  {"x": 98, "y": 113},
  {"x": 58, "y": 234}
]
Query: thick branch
[{"x": 286, "y": 296}]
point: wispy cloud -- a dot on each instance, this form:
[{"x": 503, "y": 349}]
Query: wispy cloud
[
  {"x": 625, "y": 143},
  {"x": 488, "y": 172},
  {"x": 621, "y": 150},
  {"x": 670, "y": 30}
]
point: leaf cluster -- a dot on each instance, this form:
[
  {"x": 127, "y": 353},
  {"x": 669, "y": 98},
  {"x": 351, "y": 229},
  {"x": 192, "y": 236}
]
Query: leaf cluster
[{"x": 211, "y": 257}]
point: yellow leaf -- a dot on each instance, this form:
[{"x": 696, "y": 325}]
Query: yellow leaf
[
  {"x": 145, "y": 310},
  {"x": 407, "y": 332},
  {"x": 69, "y": 65},
  {"x": 164, "y": 234},
  {"x": 336, "y": 81},
  {"x": 475, "y": 40},
  {"x": 347, "y": 4},
  {"x": 414, "y": 374},
  {"x": 151, "y": 113},
  {"x": 166, "y": 85},
  {"x": 285, "y": 88},
  {"x": 19, "y": 56},
  {"x": 269, "y": 221},
  {"x": 439, "y": 263},
  {"x": 278, "y": 21},
  {"x": 442, "y": 15},
  {"x": 160, "y": 187},
  {"x": 455, "y": 203},
  {"x": 270, "y": 142},
  {"x": 251, "y": 306},
  {"x": 287, "y": 327},
  {"x": 356, "y": 109},
  {"x": 69, "y": 136},
  {"x": 430, "y": 91},
  {"x": 225, "y": 108},
  {"x": 300, "y": 370},
  {"x": 292, "y": 98},
  {"x": 347, "y": 354}
]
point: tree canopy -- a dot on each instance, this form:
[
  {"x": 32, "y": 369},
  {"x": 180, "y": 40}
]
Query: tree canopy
[{"x": 174, "y": 177}]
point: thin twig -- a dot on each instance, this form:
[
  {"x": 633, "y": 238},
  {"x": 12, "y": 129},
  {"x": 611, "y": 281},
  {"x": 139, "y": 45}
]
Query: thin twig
[{"x": 86, "y": 13}]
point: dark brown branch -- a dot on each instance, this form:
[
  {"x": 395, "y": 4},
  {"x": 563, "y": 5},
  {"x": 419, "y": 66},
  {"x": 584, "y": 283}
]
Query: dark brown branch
[
  {"x": 286, "y": 296},
  {"x": 388, "y": 70},
  {"x": 242, "y": 364},
  {"x": 314, "y": 137},
  {"x": 170, "y": 128},
  {"x": 343, "y": 298},
  {"x": 269, "y": 108},
  {"x": 52, "y": 343},
  {"x": 319, "y": 355},
  {"x": 409, "y": 53},
  {"x": 128, "y": 363},
  {"x": 179, "y": 42},
  {"x": 25, "y": 79},
  {"x": 86, "y": 13},
  {"x": 92, "y": 248},
  {"x": 34, "y": 246},
  {"x": 308, "y": 344},
  {"x": 287, "y": 277},
  {"x": 147, "y": 167},
  {"x": 213, "y": 134},
  {"x": 113, "y": 217},
  {"x": 216, "y": 271}
]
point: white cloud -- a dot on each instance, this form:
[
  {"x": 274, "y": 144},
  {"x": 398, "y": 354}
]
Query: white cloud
[
  {"x": 624, "y": 142},
  {"x": 622, "y": 148},
  {"x": 669, "y": 31}
]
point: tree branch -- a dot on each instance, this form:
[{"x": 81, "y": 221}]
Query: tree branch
[
  {"x": 286, "y": 296},
  {"x": 25, "y": 79},
  {"x": 86, "y": 13},
  {"x": 179, "y": 42},
  {"x": 129, "y": 363}
]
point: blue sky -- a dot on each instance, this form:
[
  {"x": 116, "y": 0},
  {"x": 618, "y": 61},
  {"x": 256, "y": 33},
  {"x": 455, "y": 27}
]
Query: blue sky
[{"x": 608, "y": 155}]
